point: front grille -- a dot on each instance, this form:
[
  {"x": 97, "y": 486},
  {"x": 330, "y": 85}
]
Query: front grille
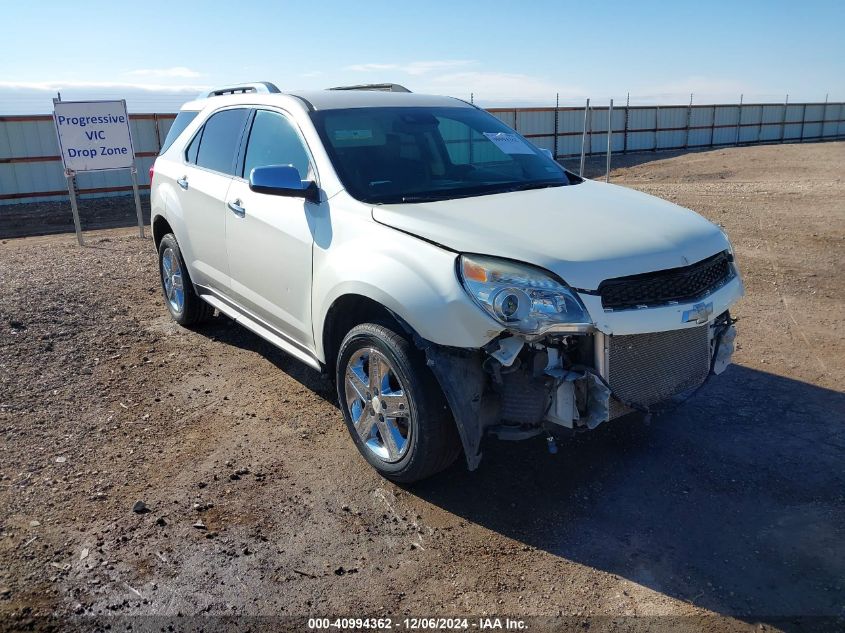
[
  {"x": 648, "y": 368},
  {"x": 672, "y": 285}
]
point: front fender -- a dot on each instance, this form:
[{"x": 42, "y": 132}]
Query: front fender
[{"x": 412, "y": 278}]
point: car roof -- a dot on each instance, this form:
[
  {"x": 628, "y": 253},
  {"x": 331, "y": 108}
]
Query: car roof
[
  {"x": 333, "y": 99},
  {"x": 337, "y": 99}
]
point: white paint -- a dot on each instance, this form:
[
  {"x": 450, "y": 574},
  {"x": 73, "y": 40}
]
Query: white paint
[{"x": 585, "y": 233}]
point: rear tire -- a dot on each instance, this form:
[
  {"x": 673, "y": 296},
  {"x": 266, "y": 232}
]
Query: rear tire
[
  {"x": 396, "y": 413},
  {"x": 185, "y": 305}
]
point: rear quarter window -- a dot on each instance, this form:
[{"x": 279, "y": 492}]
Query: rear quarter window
[
  {"x": 182, "y": 120},
  {"x": 193, "y": 148}
]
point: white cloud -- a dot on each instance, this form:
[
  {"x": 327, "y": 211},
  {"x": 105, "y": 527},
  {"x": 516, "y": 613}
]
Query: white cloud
[
  {"x": 365, "y": 68},
  {"x": 53, "y": 86},
  {"x": 175, "y": 72},
  {"x": 494, "y": 86},
  {"x": 702, "y": 88},
  {"x": 456, "y": 77},
  {"x": 413, "y": 68}
]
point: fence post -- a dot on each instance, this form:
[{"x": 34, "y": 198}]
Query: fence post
[
  {"x": 689, "y": 118},
  {"x": 783, "y": 119},
  {"x": 713, "y": 126},
  {"x": 158, "y": 131},
  {"x": 609, "y": 139},
  {"x": 839, "y": 119},
  {"x": 738, "y": 120},
  {"x": 627, "y": 114},
  {"x": 557, "y": 108},
  {"x": 584, "y": 137},
  {"x": 656, "y": 126},
  {"x": 824, "y": 116},
  {"x": 803, "y": 121}
]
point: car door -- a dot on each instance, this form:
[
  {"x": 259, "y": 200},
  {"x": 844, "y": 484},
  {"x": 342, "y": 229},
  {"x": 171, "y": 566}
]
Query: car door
[
  {"x": 208, "y": 170},
  {"x": 269, "y": 238}
]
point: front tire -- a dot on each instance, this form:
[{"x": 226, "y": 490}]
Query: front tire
[
  {"x": 394, "y": 409},
  {"x": 185, "y": 305}
]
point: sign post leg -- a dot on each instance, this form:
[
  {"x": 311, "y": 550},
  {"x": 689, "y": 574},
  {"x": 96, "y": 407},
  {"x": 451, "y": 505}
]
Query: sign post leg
[
  {"x": 72, "y": 192},
  {"x": 137, "y": 201}
]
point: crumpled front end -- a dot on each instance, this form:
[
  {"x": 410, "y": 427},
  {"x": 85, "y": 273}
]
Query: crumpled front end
[
  {"x": 572, "y": 359},
  {"x": 516, "y": 388}
]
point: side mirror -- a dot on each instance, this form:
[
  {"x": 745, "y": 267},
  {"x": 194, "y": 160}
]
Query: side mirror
[
  {"x": 547, "y": 152},
  {"x": 283, "y": 180}
]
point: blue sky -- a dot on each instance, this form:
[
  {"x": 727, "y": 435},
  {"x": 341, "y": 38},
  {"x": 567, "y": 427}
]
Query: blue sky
[{"x": 157, "y": 53}]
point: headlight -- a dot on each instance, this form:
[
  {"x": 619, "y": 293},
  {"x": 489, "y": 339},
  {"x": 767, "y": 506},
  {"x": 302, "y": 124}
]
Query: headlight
[
  {"x": 522, "y": 298},
  {"x": 730, "y": 250},
  {"x": 724, "y": 233}
]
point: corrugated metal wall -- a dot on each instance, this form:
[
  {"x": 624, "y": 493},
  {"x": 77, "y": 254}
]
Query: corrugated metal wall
[
  {"x": 31, "y": 170},
  {"x": 651, "y": 128}
]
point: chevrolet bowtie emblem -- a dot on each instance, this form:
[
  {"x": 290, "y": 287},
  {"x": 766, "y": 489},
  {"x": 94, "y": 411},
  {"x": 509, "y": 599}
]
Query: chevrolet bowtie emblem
[{"x": 700, "y": 313}]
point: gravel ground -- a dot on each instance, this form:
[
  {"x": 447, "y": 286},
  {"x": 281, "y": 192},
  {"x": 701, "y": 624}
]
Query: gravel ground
[{"x": 257, "y": 504}]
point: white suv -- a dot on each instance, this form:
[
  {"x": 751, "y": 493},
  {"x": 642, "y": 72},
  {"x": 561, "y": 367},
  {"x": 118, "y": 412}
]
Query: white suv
[{"x": 455, "y": 279}]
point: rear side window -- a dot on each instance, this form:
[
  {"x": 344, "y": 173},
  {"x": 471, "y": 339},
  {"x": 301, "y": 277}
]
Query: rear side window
[
  {"x": 274, "y": 141},
  {"x": 219, "y": 142},
  {"x": 183, "y": 120},
  {"x": 193, "y": 148}
]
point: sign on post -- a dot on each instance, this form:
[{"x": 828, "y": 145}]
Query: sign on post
[{"x": 95, "y": 136}]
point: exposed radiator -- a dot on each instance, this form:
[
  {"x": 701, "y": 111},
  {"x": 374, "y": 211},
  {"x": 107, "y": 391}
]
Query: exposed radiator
[{"x": 648, "y": 368}]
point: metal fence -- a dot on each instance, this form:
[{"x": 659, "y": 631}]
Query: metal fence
[
  {"x": 31, "y": 169},
  {"x": 654, "y": 128}
]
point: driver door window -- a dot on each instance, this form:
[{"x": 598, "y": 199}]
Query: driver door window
[{"x": 274, "y": 141}]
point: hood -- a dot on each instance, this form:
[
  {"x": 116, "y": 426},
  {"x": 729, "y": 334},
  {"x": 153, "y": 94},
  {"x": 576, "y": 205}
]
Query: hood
[{"x": 584, "y": 233}]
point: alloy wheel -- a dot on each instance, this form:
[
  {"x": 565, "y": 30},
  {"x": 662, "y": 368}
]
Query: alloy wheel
[{"x": 378, "y": 404}]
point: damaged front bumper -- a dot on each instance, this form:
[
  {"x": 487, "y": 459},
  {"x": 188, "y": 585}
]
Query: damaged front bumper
[{"x": 517, "y": 387}]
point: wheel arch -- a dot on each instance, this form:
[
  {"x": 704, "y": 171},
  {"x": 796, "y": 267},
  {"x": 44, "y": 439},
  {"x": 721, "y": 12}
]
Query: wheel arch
[
  {"x": 456, "y": 372},
  {"x": 347, "y": 311},
  {"x": 161, "y": 227}
]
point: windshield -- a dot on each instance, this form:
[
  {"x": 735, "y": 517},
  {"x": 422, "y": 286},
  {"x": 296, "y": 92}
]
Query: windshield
[{"x": 393, "y": 155}]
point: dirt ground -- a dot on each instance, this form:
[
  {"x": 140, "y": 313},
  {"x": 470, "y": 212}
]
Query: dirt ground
[
  {"x": 44, "y": 218},
  {"x": 259, "y": 505}
]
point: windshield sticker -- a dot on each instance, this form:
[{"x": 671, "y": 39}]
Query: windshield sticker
[
  {"x": 353, "y": 135},
  {"x": 509, "y": 143}
]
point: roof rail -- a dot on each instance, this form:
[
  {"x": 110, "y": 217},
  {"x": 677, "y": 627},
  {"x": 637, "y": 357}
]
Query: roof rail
[
  {"x": 255, "y": 86},
  {"x": 381, "y": 87}
]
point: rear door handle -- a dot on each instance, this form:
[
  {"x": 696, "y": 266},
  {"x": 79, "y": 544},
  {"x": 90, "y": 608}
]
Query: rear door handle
[
  {"x": 183, "y": 182},
  {"x": 236, "y": 208}
]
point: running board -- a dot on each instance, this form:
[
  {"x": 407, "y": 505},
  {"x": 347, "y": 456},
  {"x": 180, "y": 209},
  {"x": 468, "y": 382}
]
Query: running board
[{"x": 268, "y": 335}]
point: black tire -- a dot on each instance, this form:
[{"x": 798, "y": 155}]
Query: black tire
[
  {"x": 194, "y": 310},
  {"x": 432, "y": 439}
]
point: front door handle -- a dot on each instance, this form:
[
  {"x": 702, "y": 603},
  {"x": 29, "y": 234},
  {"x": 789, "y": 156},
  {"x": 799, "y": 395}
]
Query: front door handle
[
  {"x": 183, "y": 182},
  {"x": 236, "y": 208}
]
